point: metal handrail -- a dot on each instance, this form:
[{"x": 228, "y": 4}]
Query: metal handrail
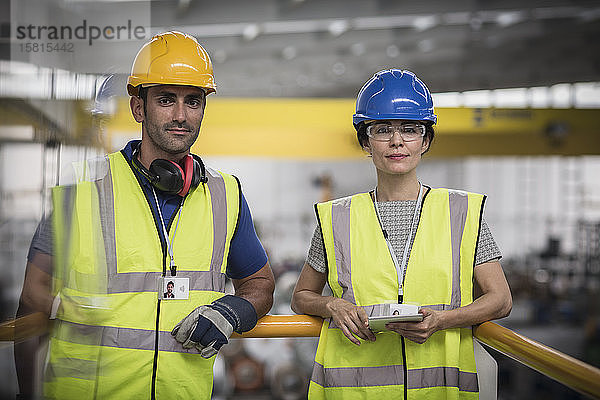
[
  {"x": 565, "y": 369},
  {"x": 23, "y": 328}
]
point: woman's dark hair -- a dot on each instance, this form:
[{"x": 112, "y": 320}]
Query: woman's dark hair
[{"x": 363, "y": 139}]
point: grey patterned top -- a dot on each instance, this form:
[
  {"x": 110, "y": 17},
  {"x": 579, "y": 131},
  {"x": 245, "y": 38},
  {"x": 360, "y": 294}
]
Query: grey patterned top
[{"x": 396, "y": 218}]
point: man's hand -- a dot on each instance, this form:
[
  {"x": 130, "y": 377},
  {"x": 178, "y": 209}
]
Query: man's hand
[
  {"x": 209, "y": 327},
  {"x": 204, "y": 328},
  {"x": 418, "y": 332},
  {"x": 351, "y": 319}
]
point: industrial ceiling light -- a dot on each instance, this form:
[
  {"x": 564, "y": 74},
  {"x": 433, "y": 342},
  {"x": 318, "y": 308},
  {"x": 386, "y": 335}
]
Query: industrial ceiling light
[
  {"x": 289, "y": 53},
  {"x": 392, "y": 51},
  {"x": 250, "y": 32},
  {"x": 425, "y": 45},
  {"x": 358, "y": 49},
  {"x": 338, "y": 27},
  {"x": 456, "y": 18},
  {"x": 589, "y": 15},
  {"x": 219, "y": 56},
  {"x": 425, "y": 22},
  {"x": 505, "y": 19},
  {"x": 339, "y": 68},
  {"x": 476, "y": 23}
]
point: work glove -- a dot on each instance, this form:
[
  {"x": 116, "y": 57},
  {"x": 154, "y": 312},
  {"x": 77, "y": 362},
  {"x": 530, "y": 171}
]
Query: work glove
[{"x": 209, "y": 327}]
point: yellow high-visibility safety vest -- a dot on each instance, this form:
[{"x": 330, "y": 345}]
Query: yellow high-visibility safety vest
[
  {"x": 111, "y": 339},
  {"x": 439, "y": 275}
]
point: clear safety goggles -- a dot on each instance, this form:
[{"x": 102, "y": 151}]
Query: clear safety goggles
[{"x": 384, "y": 132}]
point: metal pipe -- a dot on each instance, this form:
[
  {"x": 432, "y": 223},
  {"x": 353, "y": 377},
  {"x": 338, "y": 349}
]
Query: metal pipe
[
  {"x": 565, "y": 369},
  {"x": 273, "y": 326},
  {"x": 23, "y": 328}
]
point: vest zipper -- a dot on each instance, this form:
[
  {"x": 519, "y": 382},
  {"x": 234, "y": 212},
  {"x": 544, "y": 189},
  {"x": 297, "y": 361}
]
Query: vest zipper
[
  {"x": 401, "y": 300},
  {"x": 405, "y": 368},
  {"x": 164, "y": 273},
  {"x": 163, "y": 246},
  {"x": 155, "y": 361}
]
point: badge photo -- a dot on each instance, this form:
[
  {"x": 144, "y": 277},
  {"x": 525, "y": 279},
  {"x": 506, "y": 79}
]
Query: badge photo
[{"x": 175, "y": 288}]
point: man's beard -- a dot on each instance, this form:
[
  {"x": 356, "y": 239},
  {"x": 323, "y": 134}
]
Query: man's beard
[{"x": 162, "y": 140}]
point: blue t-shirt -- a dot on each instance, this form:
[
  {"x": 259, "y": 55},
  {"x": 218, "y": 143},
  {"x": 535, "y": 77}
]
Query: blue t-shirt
[{"x": 246, "y": 254}]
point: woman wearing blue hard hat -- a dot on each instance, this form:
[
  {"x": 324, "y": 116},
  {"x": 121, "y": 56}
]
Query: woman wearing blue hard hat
[{"x": 403, "y": 246}]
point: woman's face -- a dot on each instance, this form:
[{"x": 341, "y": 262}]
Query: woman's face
[{"x": 397, "y": 156}]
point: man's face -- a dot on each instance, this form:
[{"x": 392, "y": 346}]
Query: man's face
[
  {"x": 173, "y": 117},
  {"x": 169, "y": 287}
]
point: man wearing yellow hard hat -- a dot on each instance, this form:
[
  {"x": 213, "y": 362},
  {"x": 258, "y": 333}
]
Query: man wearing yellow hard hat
[{"x": 167, "y": 223}]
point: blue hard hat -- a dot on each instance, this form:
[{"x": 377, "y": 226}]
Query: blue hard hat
[{"x": 394, "y": 94}]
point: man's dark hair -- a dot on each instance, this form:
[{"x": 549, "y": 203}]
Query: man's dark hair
[
  {"x": 363, "y": 139},
  {"x": 171, "y": 283},
  {"x": 143, "y": 94}
]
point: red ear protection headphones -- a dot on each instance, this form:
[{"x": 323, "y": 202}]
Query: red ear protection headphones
[{"x": 170, "y": 177}]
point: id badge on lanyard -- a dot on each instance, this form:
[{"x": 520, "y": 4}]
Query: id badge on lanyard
[
  {"x": 171, "y": 287},
  {"x": 400, "y": 267}
]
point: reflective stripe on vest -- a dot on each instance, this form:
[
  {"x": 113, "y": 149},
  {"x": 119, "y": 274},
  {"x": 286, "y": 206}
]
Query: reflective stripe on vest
[
  {"x": 340, "y": 217},
  {"x": 108, "y": 266},
  {"x": 124, "y": 338},
  {"x": 125, "y": 282},
  {"x": 394, "y": 375},
  {"x": 438, "y": 276}
]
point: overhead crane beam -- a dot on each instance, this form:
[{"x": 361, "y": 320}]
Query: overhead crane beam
[
  {"x": 322, "y": 129},
  {"x": 19, "y": 112},
  {"x": 55, "y": 121},
  {"x": 502, "y": 131}
]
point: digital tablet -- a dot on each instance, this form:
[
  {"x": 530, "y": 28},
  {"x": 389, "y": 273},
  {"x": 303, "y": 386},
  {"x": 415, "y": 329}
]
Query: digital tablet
[{"x": 377, "y": 324}]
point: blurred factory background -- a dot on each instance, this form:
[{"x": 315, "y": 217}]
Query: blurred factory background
[{"x": 516, "y": 87}]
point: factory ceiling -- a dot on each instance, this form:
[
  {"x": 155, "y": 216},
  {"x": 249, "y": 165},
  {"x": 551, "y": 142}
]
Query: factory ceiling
[
  {"x": 309, "y": 48},
  {"x": 329, "y": 48}
]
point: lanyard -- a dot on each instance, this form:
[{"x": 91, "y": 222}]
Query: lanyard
[
  {"x": 402, "y": 267},
  {"x": 172, "y": 265}
]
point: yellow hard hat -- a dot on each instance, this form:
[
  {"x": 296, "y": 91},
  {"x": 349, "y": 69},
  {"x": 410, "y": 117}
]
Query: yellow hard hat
[{"x": 172, "y": 58}]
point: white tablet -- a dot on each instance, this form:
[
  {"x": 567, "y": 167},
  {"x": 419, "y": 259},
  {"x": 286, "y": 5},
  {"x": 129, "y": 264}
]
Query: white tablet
[{"x": 377, "y": 324}]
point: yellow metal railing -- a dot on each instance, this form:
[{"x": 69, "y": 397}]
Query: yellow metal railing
[
  {"x": 23, "y": 328},
  {"x": 274, "y": 326},
  {"x": 567, "y": 370}
]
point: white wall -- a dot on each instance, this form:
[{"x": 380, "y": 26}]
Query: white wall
[
  {"x": 529, "y": 198},
  {"x": 26, "y": 170},
  {"x": 281, "y": 195}
]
